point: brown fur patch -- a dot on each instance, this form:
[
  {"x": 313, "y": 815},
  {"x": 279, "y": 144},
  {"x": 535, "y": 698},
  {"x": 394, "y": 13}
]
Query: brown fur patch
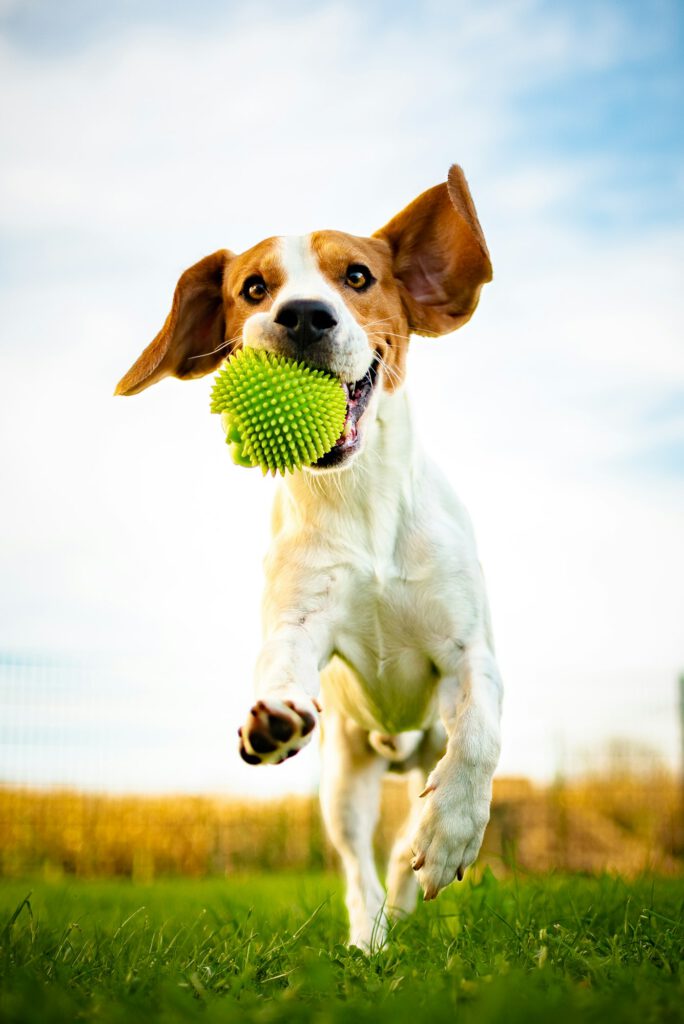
[
  {"x": 378, "y": 309},
  {"x": 439, "y": 255},
  {"x": 429, "y": 264}
]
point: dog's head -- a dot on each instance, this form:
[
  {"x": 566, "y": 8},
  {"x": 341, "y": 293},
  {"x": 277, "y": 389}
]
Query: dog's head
[{"x": 336, "y": 301}]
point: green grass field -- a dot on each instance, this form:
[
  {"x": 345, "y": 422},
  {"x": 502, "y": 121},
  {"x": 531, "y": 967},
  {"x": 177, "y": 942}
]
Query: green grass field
[{"x": 270, "y": 948}]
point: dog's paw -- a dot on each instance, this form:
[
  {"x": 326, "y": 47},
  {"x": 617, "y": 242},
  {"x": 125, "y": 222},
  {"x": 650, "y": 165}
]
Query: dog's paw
[
  {"x": 276, "y": 730},
  {"x": 450, "y": 831}
]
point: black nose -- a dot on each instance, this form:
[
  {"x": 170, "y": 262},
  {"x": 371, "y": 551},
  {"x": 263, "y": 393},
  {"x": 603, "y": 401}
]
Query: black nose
[{"x": 305, "y": 320}]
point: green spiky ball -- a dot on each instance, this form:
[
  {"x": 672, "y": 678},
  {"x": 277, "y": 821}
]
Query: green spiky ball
[{"x": 277, "y": 413}]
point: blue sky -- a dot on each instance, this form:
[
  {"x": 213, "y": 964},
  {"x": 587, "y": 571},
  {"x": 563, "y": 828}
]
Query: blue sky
[
  {"x": 141, "y": 137},
  {"x": 626, "y": 108}
]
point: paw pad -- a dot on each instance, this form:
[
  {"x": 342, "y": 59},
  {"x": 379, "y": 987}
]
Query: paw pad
[{"x": 275, "y": 731}]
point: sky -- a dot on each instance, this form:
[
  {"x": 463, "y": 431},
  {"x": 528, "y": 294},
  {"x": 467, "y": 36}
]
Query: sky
[{"x": 140, "y": 137}]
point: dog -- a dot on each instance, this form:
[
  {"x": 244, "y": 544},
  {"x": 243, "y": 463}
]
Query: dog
[{"x": 376, "y": 622}]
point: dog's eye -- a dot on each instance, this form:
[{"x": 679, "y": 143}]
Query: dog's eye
[
  {"x": 254, "y": 289},
  {"x": 358, "y": 277}
]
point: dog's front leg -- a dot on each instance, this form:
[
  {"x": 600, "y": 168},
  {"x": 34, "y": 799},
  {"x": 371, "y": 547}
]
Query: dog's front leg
[
  {"x": 458, "y": 792},
  {"x": 297, "y": 625}
]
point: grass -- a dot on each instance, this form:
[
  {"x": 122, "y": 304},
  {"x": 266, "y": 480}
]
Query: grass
[{"x": 270, "y": 948}]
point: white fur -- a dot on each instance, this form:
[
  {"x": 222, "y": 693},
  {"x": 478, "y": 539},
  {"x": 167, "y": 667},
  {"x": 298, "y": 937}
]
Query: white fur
[
  {"x": 346, "y": 351},
  {"x": 375, "y": 599}
]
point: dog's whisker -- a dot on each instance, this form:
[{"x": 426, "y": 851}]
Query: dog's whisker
[
  {"x": 389, "y": 370},
  {"x": 225, "y": 344},
  {"x": 374, "y": 323},
  {"x": 389, "y": 334},
  {"x": 394, "y": 334}
]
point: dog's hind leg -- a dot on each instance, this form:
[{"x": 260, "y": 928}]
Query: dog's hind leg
[
  {"x": 402, "y": 884},
  {"x": 350, "y": 799}
]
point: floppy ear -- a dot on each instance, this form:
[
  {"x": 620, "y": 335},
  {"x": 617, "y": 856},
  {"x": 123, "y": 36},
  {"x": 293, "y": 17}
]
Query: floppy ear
[
  {"x": 190, "y": 342},
  {"x": 440, "y": 256}
]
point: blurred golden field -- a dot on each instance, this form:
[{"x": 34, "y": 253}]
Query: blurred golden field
[{"x": 626, "y": 823}]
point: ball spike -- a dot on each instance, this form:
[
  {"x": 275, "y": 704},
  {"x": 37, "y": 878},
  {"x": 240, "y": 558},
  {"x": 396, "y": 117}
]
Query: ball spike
[{"x": 277, "y": 413}]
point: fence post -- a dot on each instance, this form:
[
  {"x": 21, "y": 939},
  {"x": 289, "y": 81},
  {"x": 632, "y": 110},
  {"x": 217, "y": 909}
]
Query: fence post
[{"x": 681, "y": 726}]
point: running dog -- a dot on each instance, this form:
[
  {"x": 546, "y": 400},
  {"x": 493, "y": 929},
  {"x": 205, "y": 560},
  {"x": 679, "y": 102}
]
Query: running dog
[{"x": 376, "y": 623}]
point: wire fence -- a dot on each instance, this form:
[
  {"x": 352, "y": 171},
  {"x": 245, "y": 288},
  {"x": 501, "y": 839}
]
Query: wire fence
[{"x": 623, "y": 813}]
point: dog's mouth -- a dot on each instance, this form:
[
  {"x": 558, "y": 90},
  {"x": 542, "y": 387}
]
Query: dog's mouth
[{"x": 358, "y": 396}]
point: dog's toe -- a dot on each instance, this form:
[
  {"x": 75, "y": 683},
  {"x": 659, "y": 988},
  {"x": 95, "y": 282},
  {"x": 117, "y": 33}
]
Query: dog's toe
[{"x": 249, "y": 758}]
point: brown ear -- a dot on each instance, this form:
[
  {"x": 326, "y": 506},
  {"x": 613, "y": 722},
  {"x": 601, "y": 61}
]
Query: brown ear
[
  {"x": 440, "y": 256},
  {"x": 191, "y": 342}
]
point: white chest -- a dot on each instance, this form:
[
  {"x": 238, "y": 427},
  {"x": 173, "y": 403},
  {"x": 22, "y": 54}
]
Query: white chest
[
  {"x": 397, "y": 634},
  {"x": 382, "y": 570}
]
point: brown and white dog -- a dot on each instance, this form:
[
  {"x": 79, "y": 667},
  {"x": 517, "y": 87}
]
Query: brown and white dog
[{"x": 375, "y": 608}]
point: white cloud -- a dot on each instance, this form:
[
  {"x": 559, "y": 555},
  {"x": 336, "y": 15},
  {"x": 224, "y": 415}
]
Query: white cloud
[{"x": 129, "y": 531}]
